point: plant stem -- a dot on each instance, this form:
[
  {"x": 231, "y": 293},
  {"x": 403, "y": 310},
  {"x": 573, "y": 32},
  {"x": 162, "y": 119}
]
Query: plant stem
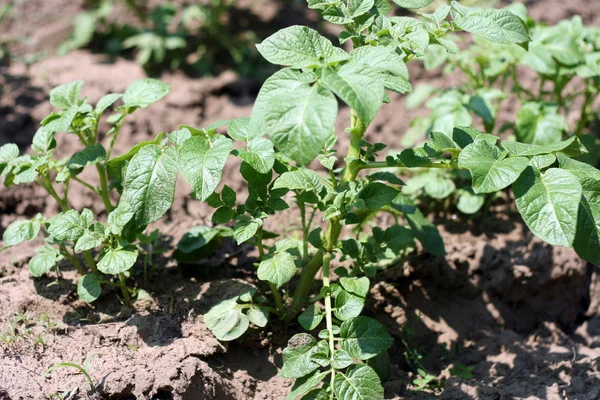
[
  {"x": 124, "y": 290},
  {"x": 89, "y": 259},
  {"x": 104, "y": 188},
  {"x": 47, "y": 184},
  {"x": 65, "y": 252},
  {"x": 302, "y": 207},
  {"x": 307, "y": 278},
  {"x": 585, "y": 110},
  {"x": 274, "y": 290},
  {"x": 328, "y": 311},
  {"x": 115, "y": 134},
  {"x": 84, "y": 183},
  {"x": 357, "y": 132},
  {"x": 384, "y": 164}
]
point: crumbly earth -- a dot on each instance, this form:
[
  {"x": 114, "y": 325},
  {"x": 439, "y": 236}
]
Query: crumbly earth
[{"x": 524, "y": 315}]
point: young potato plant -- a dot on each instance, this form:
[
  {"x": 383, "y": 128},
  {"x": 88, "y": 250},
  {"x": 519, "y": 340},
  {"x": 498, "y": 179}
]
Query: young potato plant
[{"x": 72, "y": 233}]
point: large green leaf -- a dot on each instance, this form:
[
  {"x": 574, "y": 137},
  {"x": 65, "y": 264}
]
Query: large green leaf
[
  {"x": 305, "y": 384},
  {"x": 364, "y": 337},
  {"x": 66, "y": 226},
  {"x": 144, "y": 92},
  {"x": 498, "y": 26},
  {"x": 587, "y": 238},
  {"x": 91, "y": 155},
  {"x": 359, "y": 85},
  {"x": 490, "y": 169},
  {"x": 300, "y": 121},
  {"x": 67, "y": 95},
  {"x": 539, "y": 125},
  {"x": 297, "y": 356},
  {"x": 201, "y": 163},
  {"x": 571, "y": 147},
  {"x": 44, "y": 260},
  {"x": 549, "y": 204},
  {"x": 377, "y": 195},
  {"x": 149, "y": 185},
  {"x": 89, "y": 287},
  {"x": 358, "y": 382},
  {"x": 278, "y": 270},
  {"x": 578, "y": 168},
  {"x": 116, "y": 261},
  {"x": 299, "y": 47},
  {"x": 347, "y": 305}
]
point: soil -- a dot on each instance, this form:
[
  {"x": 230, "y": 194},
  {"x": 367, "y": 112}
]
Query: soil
[{"x": 523, "y": 314}]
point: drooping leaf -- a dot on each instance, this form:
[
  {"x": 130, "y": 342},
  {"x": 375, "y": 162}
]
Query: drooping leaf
[
  {"x": 549, "y": 204},
  {"x": 490, "y": 169},
  {"x": 107, "y": 101},
  {"x": 226, "y": 320},
  {"x": 89, "y": 287},
  {"x": 144, "y": 92},
  {"x": 359, "y": 85},
  {"x": 464, "y": 136},
  {"x": 364, "y": 337},
  {"x": 571, "y": 147},
  {"x": 577, "y": 168},
  {"x": 278, "y": 270},
  {"x": 469, "y": 202},
  {"x": 587, "y": 237},
  {"x": 538, "y": 125},
  {"x": 299, "y": 47},
  {"x": 259, "y": 316},
  {"x": 44, "y": 260},
  {"x": 358, "y": 382},
  {"x": 149, "y": 184},
  {"x": 305, "y": 384},
  {"x": 311, "y": 317},
  {"x": 91, "y": 155},
  {"x": 201, "y": 163},
  {"x": 116, "y": 261}
]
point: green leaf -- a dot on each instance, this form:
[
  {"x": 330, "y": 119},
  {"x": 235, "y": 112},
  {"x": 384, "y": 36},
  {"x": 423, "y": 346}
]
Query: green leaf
[
  {"x": 66, "y": 226},
  {"x": 356, "y": 8},
  {"x": 259, "y": 316},
  {"x": 464, "y": 136},
  {"x": 144, "y": 92},
  {"x": 245, "y": 228},
  {"x": 358, "y": 382},
  {"x": 201, "y": 163},
  {"x": 149, "y": 184},
  {"x": 490, "y": 169},
  {"x": 377, "y": 195},
  {"x": 358, "y": 286},
  {"x": 348, "y": 305},
  {"x": 260, "y": 154},
  {"x": 305, "y": 384},
  {"x": 89, "y": 287},
  {"x": 229, "y": 196},
  {"x": 107, "y": 101},
  {"x": 439, "y": 187},
  {"x": 587, "y": 237},
  {"x": 577, "y": 168},
  {"x": 67, "y": 95},
  {"x": 199, "y": 236},
  {"x": 301, "y": 179},
  {"x": 387, "y": 177},
  {"x": 413, "y": 3},
  {"x": 299, "y": 47},
  {"x": 571, "y": 147},
  {"x": 278, "y": 270},
  {"x": 469, "y": 202},
  {"x": 116, "y": 261},
  {"x": 542, "y": 161},
  {"x": 44, "y": 260},
  {"x": 43, "y": 140},
  {"x": 115, "y": 166},
  {"x": 317, "y": 394},
  {"x": 21, "y": 230},
  {"x": 119, "y": 217},
  {"x": 89, "y": 240},
  {"x": 238, "y": 129},
  {"x": 226, "y": 320},
  {"x": 341, "y": 359},
  {"x": 540, "y": 125},
  {"x": 360, "y": 86},
  {"x": 311, "y": 317},
  {"x": 441, "y": 142},
  {"x": 364, "y": 338},
  {"x": 91, "y": 155},
  {"x": 498, "y": 26},
  {"x": 549, "y": 204},
  {"x": 223, "y": 215},
  {"x": 300, "y": 121},
  {"x": 297, "y": 356}
]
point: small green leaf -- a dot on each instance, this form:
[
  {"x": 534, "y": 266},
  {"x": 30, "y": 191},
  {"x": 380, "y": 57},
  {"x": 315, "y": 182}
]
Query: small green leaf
[
  {"x": 107, "y": 101},
  {"x": 259, "y": 316},
  {"x": 301, "y": 179},
  {"x": 91, "y": 155},
  {"x": 201, "y": 163},
  {"x": 67, "y": 95},
  {"x": 358, "y": 382},
  {"x": 305, "y": 384},
  {"x": 538, "y": 125},
  {"x": 44, "y": 260},
  {"x": 413, "y": 3},
  {"x": 578, "y": 168},
  {"x": 348, "y": 305},
  {"x": 299, "y": 47},
  {"x": 297, "y": 356},
  {"x": 66, "y": 226},
  {"x": 587, "y": 237},
  {"x": 469, "y": 202},
  {"x": 341, "y": 359},
  {"x": 245, "y": 228},
  {"x": 238, "y": 129},
  {"x": 464, "y": 136},
  {"x": 387, "y": 177},
  {"x": 355, "y": 285},
  {"x": 278, "y": 270},
  {"x": 116, "y": 261},
  {"x": 43, "y": 140},
  {"x": 377, "y": 195},
  {"x": 21, "y": 230},
  {"x": 229, "y": 196},
  {"x": 226, "y": 320},
  {"x": 149, "y": 184},
  {"x": 144, "y": 92},
  {"x": 260, "y": 154},
  {"x": 223, "y": 215},
  {"x": 356, "y": 8},
  {"x": 89, "y": 240},
  {"x": 89, "y": 287},
  {"x": 549, "y": 204},
  {"x": 359, "y": 85},
  {"x": 542, "y": 161},
  {"x": 490, "y": 170},
  {"x": 115, "y": 166},
  {"x": 311, "y": 317},
  {"x": 119, "y": 217},
  {"x": 364, "y": 337}
]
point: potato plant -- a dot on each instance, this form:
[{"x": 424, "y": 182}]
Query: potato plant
[{"x": 291, "y": 128}]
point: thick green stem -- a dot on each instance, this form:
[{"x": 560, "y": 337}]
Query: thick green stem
[
  {"x": 328, "y": 311},
  {"x": 585, "y": 111},
  {"x": 384, "y": 164},
  {"x": 104, "y": 188},
  {"x": 72, "y": 259},
  {"x": 307, "y": 279},
  {"x": 124, "y": 290},
  {"x": 115, "y": 135},
  {"x": 47, "y": 184},
  {"x": 302, "y": 207},
  {"x": 357, "y": 131},
  {"x": 89, "y": 259}
]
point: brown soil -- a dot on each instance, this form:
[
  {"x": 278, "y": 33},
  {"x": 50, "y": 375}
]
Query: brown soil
[{"x": 525, "y": 315}]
